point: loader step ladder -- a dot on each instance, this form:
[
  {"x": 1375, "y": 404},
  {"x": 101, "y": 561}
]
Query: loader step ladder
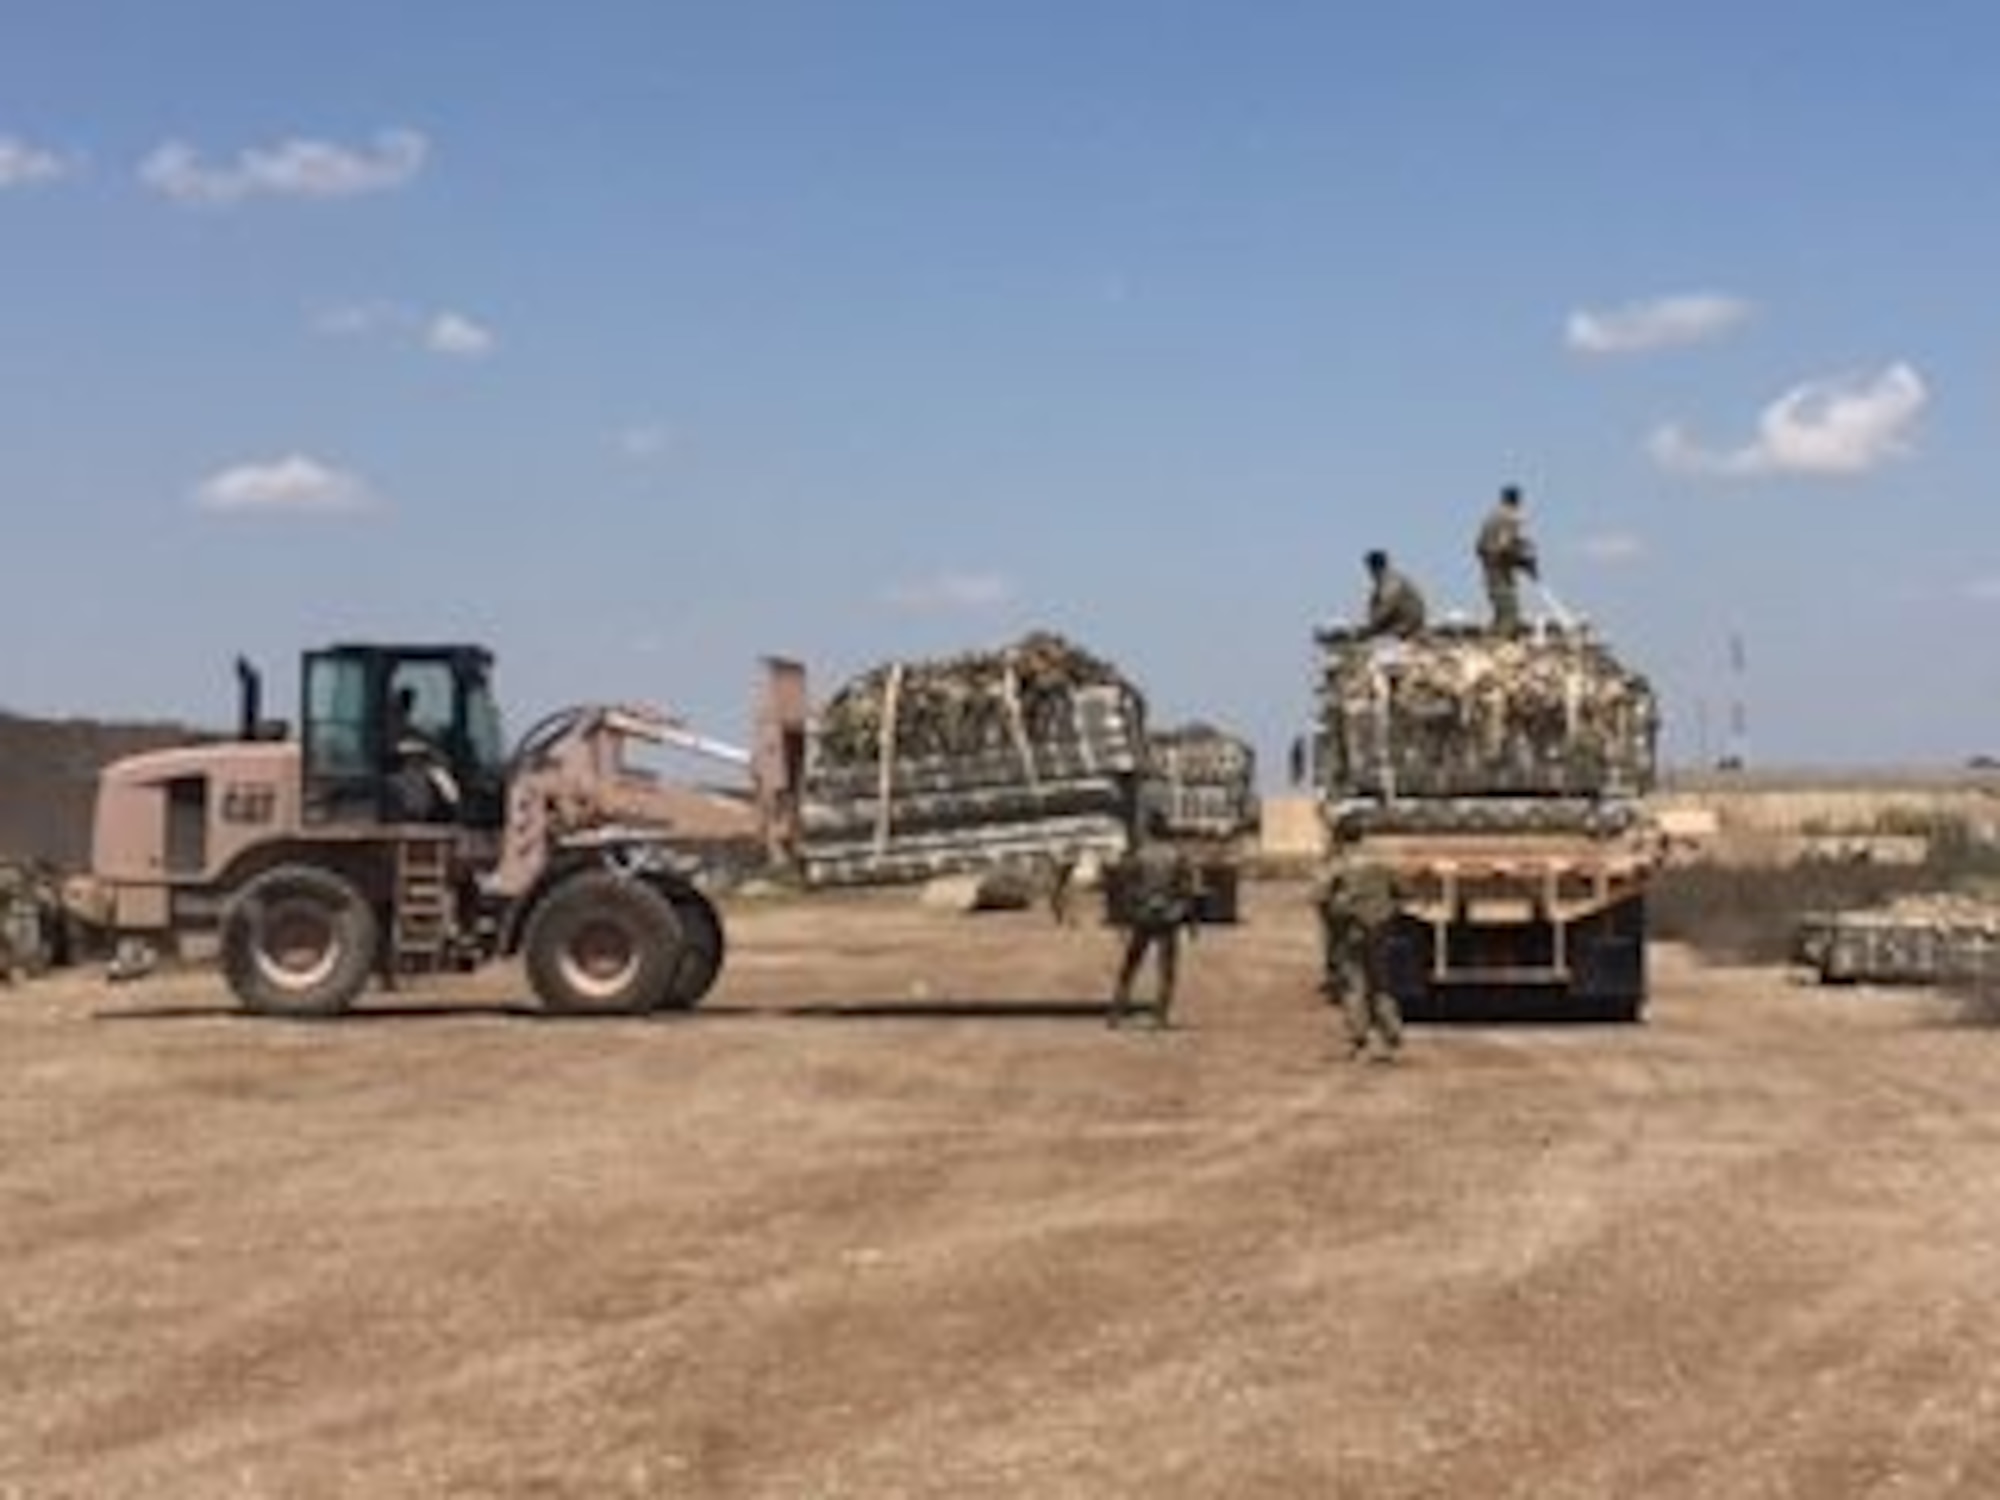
[{"x": 422, "y": 922}]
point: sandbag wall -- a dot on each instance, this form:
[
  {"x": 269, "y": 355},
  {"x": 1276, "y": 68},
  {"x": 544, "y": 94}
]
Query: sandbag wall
[{"x": 915, "y": 769}]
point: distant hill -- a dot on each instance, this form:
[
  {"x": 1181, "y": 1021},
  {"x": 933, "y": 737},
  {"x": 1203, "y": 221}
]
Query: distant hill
[{"x": 48, "y": 777}]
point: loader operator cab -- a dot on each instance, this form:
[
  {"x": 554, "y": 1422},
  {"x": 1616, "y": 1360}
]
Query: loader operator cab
[{"x": 402, "y": 734}]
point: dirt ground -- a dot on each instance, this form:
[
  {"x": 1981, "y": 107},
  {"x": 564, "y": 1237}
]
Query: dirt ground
[{"x": 896, "y": 1215}]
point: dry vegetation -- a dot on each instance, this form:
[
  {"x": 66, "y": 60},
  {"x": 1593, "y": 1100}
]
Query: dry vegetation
[{"x": 1748, "y": 914}]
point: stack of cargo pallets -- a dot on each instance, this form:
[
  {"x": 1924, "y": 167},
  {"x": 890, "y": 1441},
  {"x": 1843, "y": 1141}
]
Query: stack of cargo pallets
[
  {"x": 1027, "y": 753},
  {"x": 1465, "y": 713}
]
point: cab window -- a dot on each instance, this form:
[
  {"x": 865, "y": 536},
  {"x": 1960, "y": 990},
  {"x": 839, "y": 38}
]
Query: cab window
[
  {"x": 421, "y": 701},
  {"x": 337, "y": 717},
  {"x": 482, "y": 725}
]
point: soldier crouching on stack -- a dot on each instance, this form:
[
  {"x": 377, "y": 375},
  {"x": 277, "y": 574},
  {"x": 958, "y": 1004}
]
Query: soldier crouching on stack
[
  {"x": 1357, "y": 906},
  {"x": 1157, "y": 899}
]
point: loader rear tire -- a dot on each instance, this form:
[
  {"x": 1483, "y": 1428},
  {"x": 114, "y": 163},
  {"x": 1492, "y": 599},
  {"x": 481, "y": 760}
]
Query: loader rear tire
[
  {"x": 298, "y": 941},
  {"x": 603, "y": 944}
]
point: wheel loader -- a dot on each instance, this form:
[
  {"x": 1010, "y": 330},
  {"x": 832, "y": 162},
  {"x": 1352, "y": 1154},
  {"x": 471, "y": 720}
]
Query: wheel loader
[{"x": 394, "y": 835}]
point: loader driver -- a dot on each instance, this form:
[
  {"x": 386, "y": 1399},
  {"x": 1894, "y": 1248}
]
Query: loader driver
[{"x": 422, "y": 788}]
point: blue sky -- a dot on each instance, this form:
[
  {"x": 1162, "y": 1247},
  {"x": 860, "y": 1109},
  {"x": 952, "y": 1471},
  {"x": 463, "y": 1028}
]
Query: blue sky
[{"x": 639, "y": 339}]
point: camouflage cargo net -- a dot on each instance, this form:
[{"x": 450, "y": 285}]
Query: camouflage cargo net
[
  {"x": 1201, "y": 753},
  {"x": 1467, "y": 713},
  {"x": 967, "y": 762},
  {"x": 1202, "y": 778},
  {"x": 964, "y": 707}
]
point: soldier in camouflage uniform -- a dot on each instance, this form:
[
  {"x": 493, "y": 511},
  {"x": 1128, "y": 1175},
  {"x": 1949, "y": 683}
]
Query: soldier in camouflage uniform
[
  {"x": 1395, "y": 607},
  {"x": 1357, "y": 904},
  {"x": 1505, "y": 550},
  {"x": 1158, "y": 900},
  {"x": 18, "y": 921}
]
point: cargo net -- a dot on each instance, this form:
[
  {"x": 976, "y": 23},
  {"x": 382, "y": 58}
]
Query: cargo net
[
  {"x": 1462, "y": 713},
  {"x": 924, "y": 767},
  {"x": 1928, "y": 938},
  {"x": 1203, "y": 779},
  {"x": 987, "y": 715}
]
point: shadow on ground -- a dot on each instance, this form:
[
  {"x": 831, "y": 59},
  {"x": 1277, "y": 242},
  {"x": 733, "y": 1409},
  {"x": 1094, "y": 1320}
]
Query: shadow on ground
[{"x": 1022, "y": 1009}]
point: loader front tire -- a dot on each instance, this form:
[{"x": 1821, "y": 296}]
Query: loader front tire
[
  {"x": 701, "y": 953},
  {"x": 603, "y": 944}
]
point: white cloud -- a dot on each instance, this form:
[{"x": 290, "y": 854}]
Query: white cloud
[
  {"x": 1836, "y": 427},
  {"x": 451, "y": 334},
  {"x": 950, "y": 593},
  {"x": 292, "y": 484},
  {"x": 26, "y": 165},
  {"x": 292, "y": 169},
  {"x": 643, "y": 442},
  {"x": 1612, "y": 547},
  {"x": 1663, "y": 323},
  {"x": 457, "y": 335}
]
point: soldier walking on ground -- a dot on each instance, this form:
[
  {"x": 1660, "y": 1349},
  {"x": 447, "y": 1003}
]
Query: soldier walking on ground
[
  {"x": 1357, "y": 905},
  {"x": 1505, "y": 550},
  {"x": 1395, "y": 607},
  {"x": 1157, "y": 890}
]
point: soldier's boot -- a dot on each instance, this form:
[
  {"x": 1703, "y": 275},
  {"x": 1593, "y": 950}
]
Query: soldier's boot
[
  {"x": 1169, "y": 961},
  {"x": 1391, "y": 1023},
  {"x": 1354, "y": 1012},
  {"x": 1121, "y": 993}
]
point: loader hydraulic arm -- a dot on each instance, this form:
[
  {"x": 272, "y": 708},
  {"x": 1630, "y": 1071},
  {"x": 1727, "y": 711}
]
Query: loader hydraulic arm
[{"x": 573, "y": 775}]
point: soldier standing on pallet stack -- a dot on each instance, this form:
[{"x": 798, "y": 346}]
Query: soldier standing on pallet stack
[
  {"x": 1505, "y": 550},
  {"x": 1157, "y": 897},
  {"x": 1356, "y": 907},
  {"x": 1395, "y": 607}
]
